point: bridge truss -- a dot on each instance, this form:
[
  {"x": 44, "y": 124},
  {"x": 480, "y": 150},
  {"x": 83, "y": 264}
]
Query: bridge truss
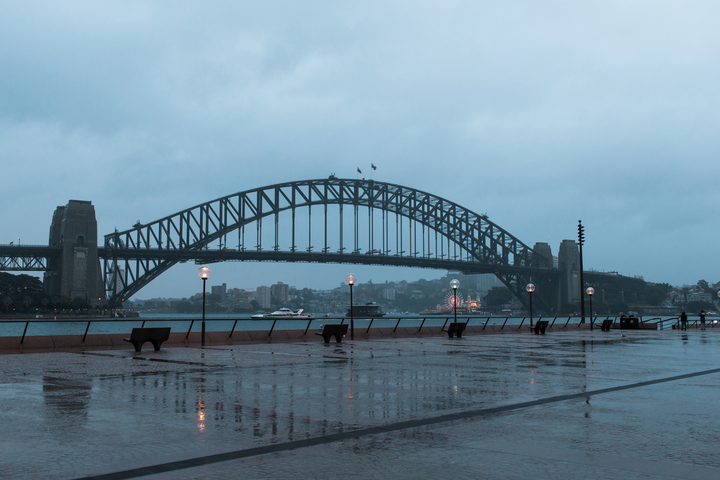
[
  {"x": 27, "y": 258},
  {"x": 329, "y": 220}
]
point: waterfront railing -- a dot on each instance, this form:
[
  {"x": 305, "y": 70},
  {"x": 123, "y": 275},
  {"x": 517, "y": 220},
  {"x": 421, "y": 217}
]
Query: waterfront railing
[{"x": 23, "y": 328}]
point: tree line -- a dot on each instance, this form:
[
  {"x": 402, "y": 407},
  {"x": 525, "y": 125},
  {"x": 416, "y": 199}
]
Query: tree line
[{"x": 25, "y": 294}]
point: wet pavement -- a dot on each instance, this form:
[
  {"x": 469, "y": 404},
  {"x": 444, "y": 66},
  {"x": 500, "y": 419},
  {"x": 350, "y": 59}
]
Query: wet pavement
[{"x": 605, "y": 405}]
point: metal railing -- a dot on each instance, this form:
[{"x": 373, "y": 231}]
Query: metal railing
[{"x": 390, "y": 321}]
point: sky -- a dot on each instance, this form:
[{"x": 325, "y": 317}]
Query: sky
[{"x": 538, "y": 114}]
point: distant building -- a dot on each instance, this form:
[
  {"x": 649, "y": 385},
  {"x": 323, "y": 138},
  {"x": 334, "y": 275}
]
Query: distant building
[
  {"x": 699, "y": 297},
  {"x": 388, "y": 292},
  {"x": 219, "y": 290},
  {"x": 239, "y": 294},
  {"x": 279, "y": 293},
  {"x": 263, "y": 297},
  {"x": 677, "y": 297}
]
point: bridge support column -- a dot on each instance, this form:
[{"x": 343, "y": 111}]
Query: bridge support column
[
  {"x": 77, "y": 273},
  {"x": 568, "y": 265}
]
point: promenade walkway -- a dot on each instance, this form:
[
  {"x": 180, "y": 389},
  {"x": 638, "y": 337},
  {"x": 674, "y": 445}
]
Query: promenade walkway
[{"x": 602, "y": 405}]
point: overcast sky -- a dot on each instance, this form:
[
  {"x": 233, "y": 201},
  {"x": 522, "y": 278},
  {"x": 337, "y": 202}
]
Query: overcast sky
[{"x": 538, "y": 114}]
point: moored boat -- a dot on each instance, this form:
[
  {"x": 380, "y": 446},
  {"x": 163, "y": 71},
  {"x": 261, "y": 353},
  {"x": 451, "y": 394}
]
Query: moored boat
[
  {"x": 284, "y": 314},
  {"x": 369, "y": 310}
]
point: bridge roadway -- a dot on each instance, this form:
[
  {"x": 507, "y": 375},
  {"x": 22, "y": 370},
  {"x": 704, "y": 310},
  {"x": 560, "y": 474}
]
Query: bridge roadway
[
  {"x": 604, "y": 405},
  {"x": 27, "y": 258},
  {"x": 212, "y": 256},
  {"x": 34, "y": 258}
]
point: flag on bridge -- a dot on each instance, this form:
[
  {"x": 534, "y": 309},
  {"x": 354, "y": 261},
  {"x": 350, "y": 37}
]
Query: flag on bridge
[
  {"x": 358, "y": 169},
  {"x": 373, "y": 166}
]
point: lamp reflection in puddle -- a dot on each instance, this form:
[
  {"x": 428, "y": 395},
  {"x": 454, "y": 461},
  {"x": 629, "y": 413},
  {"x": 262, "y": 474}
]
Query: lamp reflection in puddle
[{"x": 201, "y": 416}]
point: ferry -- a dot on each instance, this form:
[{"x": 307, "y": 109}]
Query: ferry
[
  {"x": 284, "y": 314},
  {"x": 369, "y": 310}
]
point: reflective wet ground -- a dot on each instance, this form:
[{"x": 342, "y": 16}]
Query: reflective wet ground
[{"x": 619, "y": 404}]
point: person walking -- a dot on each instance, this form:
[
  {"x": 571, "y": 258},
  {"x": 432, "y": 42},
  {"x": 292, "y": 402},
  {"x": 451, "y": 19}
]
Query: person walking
[
  {"x": 683, "y": 321},
  {"x": 702, "y": 319}
]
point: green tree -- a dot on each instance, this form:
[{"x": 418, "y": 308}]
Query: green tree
[
  {"x": 7, "y": 301},
  {"x": 27, "y": 303},
  {"x": 617, "y": 308},
  {"x": 656, "y": 293},
  {"x": 704, "y": 286}
]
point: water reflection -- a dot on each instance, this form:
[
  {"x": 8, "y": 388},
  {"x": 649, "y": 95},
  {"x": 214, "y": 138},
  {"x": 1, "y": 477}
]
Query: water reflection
[
  {"x": 66, "y": 399},
  {"x": 305, "y": 396}
]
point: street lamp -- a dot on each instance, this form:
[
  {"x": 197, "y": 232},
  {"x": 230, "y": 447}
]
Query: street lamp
[
  {"x": 590, "y": 291},
  {"x": 454, "y": 283},
  {"x": 530, "y": 288},
  {"x": 350, "y": 279},
  {"x": 581, "y": 242},
  {"x": 204, "y": 273}
]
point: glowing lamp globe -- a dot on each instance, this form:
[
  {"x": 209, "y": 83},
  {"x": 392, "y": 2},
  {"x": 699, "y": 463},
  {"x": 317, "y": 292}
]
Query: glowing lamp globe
[{"x": 204, "y": 272}]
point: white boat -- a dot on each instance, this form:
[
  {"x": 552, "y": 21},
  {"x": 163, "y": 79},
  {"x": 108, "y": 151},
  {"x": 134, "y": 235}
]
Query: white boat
[{"x": 284, "y": 314}]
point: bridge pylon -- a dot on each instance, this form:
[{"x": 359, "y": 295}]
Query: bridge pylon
[{"x": 76, "y": 272}]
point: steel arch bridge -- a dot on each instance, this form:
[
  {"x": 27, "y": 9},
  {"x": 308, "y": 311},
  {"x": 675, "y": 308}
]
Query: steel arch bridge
[{"x": 329, "y": 220}]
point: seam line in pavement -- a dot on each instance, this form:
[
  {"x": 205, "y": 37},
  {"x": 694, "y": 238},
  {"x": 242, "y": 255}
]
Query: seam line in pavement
[{"x": 380, "y": 429}]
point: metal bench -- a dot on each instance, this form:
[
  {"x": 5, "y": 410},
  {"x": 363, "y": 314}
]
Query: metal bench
[
  {"x": 540, "y": 327},
  {"x": 155, "y": 335},
  {"x": 456, "y": 329},
  {"x": 606, "y": 325},
  {"x": 337, "y": 331}
]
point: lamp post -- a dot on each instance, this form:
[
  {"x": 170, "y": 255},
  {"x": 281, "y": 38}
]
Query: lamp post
[
  {"x": 581, "y": 242},
  {"x": 204, "y": 273},
  {"x": 350, "y": 279},
  {"x": 455, "y": 284},
  {"x": 590, "y": 291},
  {"x": 530, "y": 288}
]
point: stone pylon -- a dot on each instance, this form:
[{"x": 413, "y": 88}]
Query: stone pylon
[{"x": 76, "y": 273}]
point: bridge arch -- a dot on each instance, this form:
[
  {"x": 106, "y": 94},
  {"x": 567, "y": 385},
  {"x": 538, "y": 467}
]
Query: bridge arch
[{"x": 414, "y": 228}]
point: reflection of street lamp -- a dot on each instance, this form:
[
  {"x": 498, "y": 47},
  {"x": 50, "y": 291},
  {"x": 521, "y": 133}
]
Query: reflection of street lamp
[
  {"x": 204, "y": 273},
  {"x": 590, "y": 292},
  {"x": 350, "y": 279},
  {"x": 530, "y": 288},
  {"x": 455, "y": 284}
]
